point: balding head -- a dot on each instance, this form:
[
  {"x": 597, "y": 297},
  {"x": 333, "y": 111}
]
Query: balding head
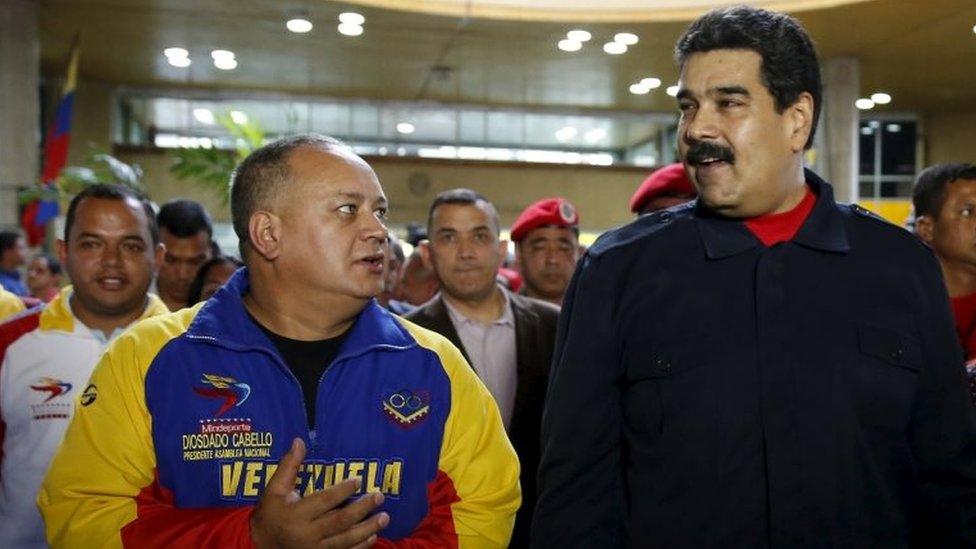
[{"x": 263, "y": 177}]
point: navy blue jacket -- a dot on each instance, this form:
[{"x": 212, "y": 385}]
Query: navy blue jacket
[{"x": 708, "y": 391}]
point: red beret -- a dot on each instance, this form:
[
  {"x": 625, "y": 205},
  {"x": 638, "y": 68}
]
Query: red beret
[
  {"x": 555, "y": 212},
  {"x": 669, "y": 180}
]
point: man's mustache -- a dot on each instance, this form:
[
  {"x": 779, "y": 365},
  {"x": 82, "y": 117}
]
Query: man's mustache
[{"x": 699, "y": 151}]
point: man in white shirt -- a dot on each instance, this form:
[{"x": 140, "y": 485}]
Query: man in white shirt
[
  {"x": 507, "y": 338},
  {"x": 110, "y": 251}
]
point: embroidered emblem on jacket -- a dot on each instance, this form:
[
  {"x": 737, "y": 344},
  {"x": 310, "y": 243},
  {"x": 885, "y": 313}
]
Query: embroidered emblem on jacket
[
  {"x": 55, "y": 387},
  {"x": 407, "y": 408},
  {"x": 229, "y": 389}
]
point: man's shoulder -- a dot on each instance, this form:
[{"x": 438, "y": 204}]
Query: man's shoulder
[
  {"x": 145, "y": 338},
  {"x": 16, "y": 327},
  {"x": 423, "y": 314},
  {"x": 429, "y": 339},
  {"x": 867, "y": 225},
  {"x": 545, "y": 310},
  {"x": 650, "y": 226}
]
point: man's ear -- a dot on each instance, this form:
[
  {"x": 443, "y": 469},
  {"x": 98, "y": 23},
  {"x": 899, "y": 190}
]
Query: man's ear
[
  {"x": 517, "y": 264},
  {"x": 800, "y": 117},
  {"x": 925, "y": 228},
  {"x": 62, "y": 252},
  {"x": 264, "y": 233},
  {"x": 159, "y": 255},
  {"x": 503, "y": 249},
  {"x": 424, "y": 248}
]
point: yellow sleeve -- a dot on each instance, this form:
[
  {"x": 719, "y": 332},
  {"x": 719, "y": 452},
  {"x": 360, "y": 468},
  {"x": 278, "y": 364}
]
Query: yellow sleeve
[
  {"x": 476, "y": 454},
  {"x": 107, "y": 456},
  {"x": 10, "y": 304}
]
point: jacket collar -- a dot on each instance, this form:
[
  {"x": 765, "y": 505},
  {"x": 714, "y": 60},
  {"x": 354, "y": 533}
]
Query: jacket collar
[
  {"x": 57, "y": 314},
  {"x": 224, "y": 319},
  {"x": 823, "y": 229}
]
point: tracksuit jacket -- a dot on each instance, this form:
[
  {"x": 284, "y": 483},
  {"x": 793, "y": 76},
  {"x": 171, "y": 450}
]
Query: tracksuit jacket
[{"x": 190, "y": 413}]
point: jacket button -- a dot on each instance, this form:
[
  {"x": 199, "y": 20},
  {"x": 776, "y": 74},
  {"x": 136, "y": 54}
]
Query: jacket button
[
  {"x": 665, "y": 217},
  {"x": 897, "y": 353}
]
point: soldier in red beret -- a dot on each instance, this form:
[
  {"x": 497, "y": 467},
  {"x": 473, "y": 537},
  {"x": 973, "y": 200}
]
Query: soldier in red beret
[
  {"x": 666, "y": 187},
  {"x": 546, "y": 237}
]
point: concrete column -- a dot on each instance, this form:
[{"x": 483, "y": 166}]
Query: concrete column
[
  {"x": 19, "y": 103},
  {"x": 839, "y": 155}
]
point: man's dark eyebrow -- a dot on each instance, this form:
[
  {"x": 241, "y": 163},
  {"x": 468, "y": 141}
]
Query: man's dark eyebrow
[
  {"x": 100, "y": 237},
  {"x": 732, "y": 90},
  {"x": 359, "y": 197},
  {"x": 683, "y": 93}
]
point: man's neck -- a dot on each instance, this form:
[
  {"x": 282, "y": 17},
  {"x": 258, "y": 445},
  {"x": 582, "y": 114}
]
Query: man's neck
[
  {"x": 529, "y": 292},
  {"x": 485, "y": 310},
  {"x": 960, "y": 279},
  {"x": 172, "y": 303},
  {"x": 103, "y": 323},
  {"x": 301, "y": 317}
]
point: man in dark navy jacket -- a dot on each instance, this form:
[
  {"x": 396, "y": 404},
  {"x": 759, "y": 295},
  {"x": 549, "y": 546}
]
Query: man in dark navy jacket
[{"x": 762, "y": 367}]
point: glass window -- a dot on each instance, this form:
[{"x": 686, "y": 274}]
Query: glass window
[{"x": 887, "y": 158}]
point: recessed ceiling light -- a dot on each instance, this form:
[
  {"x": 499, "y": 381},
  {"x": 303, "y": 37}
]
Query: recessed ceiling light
[
  {"x": 181, "y": 62},
  {"x": 239, "y": 117},
  {"x": 626, "y": 38},
  {"x": 864, "y": 104},
  {"x": 203, "y": 116},
  {"x": 222, "y": 54},
  {"x": 651, "y": 83},
  {"x": 350, "y": 29},
  {"x": 225, "y": 63},
  {"x": 579, "y": 35},
  {"x": 566, "y": 133},
  {"x": 405, "y": 128},
  {"x": 881, "y": 98},
  {"x": 614, "y": 48},
  {"x": 176, "y": 52},
  {"x": 568, "y": 44},
  {"x": 974, "y": 29},
  {"x": 299, "y": 25},
  {"x": 672, "y": 91},
  {"x": 352, "y": 18},
  {"x": 639, "y": 89},
  {"x": 893, "y": 128},
  {"x": 594, "y": 135},
  {"x": 866, "y": 130}
]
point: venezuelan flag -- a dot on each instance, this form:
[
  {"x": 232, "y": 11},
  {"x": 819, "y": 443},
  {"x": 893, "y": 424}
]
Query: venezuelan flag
[{"x": 40, "y": 211}]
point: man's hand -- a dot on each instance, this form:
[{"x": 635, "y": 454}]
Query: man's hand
[{"x": 284, "y": 519}]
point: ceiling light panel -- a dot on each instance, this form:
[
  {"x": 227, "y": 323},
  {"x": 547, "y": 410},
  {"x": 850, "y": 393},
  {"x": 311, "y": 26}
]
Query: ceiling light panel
[
  {"x": 348, "y": 29},
  {"x": 579, "y": 35},
  {"x": 567, "y": 44},
  {"x": 352, "y": 18},
  {"x": 626, "y": 38},
  {"x": 299, "y": 25}
]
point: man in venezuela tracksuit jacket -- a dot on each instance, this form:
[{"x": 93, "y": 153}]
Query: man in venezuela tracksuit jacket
[{"x": 183, "y": 443}]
